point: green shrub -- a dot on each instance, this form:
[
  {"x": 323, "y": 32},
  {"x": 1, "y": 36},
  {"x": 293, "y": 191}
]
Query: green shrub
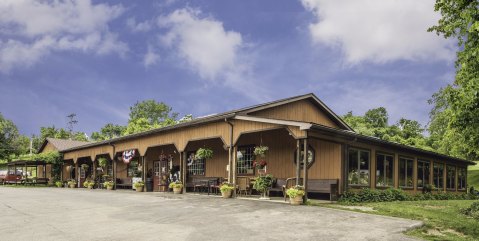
[
  {"x": 394, "y": 194},
  {"x": 139, "y": 184},
  {"x": 59, "y": 183},
  {"x": 295, "y": 191},
  {"x": 226, "y": 187},
  {"x": 472, "y": 211},
  {"x": 176, "y": 184}
]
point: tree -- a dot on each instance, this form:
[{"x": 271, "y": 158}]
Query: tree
[
  {"x": 156, "y": 113},
  {"x": 460, "y": 100},
  {"x": 58, "y": 133},
  {"x": 107, "y": 132},
  {"x": 11, "y": 142},
  {"x": 139, "y": 125}
]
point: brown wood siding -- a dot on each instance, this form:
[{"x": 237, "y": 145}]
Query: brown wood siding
[
  {"x": 327, "y": 164},
  {"x": 302, "y": 110},
  {"x": 280, "y": 154},
  {"x": 49, "y": 147},
  {"x": 216, "y": 166}
]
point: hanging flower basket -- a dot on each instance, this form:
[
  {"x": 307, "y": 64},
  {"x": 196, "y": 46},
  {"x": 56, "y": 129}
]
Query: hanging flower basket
[
  {"x": 204, "y": 153},
  {"x": 260, "y": 151},
  {"x": 84, "y": 167}
]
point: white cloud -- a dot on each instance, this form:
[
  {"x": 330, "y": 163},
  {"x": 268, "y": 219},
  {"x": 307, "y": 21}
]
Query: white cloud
[
  {"x": 151, "y": 57},
  {"x": 33, "y": 29},
  {"x": 379, "y": 31},
  {"x": 207, "y": 47},
  {"x": 144, "y": 26}
]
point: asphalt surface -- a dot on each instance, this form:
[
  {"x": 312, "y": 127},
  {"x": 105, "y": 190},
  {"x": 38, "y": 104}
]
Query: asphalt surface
[{"x": 80, "y": 214}]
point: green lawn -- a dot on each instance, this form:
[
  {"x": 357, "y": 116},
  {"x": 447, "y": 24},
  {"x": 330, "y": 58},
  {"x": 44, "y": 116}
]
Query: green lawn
[
  {"x": 442, "y": 219},
  {"x": 473, "y": 176}
]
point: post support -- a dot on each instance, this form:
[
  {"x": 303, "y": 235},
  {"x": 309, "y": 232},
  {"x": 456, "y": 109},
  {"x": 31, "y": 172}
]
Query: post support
[{"x": 305, "y": 169}]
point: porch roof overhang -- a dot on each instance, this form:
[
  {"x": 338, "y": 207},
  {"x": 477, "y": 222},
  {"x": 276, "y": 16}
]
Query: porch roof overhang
[
  {"x": 301, "y": 125},
  {"x": 27, "y": 162},
  {"x": 374, "y": 140}
]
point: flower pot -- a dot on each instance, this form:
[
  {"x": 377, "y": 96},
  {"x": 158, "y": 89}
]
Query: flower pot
[
  {"x": 73, "y": 185},
  {"x": 298, "y": 200},
  {"x": 139, "y": 189},
  {"x": 109, "y": 188},
  {"x": 226, "y": 194},
  {"x": 177, "y": 190}
]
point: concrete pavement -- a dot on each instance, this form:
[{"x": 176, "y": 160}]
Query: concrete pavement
[{"x": 80, "y": 214}]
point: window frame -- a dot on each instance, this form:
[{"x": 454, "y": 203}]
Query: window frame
[
  {"x": 393, "y": 168},
  {"x": 442, "y": 175},
  {"x": 310, "y": 164},
  {"x": 464, "y": 177},
  {"x": 359, "y": 150},
  {"x": 251, "y": 146},
  {"x": 447, "y": 177},
  {"x": 189, "y": 153},
  {"x": 428, "y": 175},
  {"x": 406, "y": 175},
  {"x": 128, "y": 166}
]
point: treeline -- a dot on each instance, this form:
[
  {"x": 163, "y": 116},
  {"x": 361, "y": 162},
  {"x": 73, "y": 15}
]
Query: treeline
[{"x": 144, "y": 115}]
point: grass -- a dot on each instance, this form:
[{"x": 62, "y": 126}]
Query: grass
[
  {"x": 473, "y": 176},
  {"x": 442, "y": 219}
]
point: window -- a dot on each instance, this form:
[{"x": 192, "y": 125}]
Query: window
[
  {"x": 384, "y": 170},
  {"x": 358, "y": 168},
  {"x": 109, "y": 169},
  {"x": 438, "y": 175},
  {"x": 406, "y": 172},
  {"x": 461, "y": 177},
  {"x": 311, "y": 157},
  {"x": 195, "y": 167},
  {"x": 423, "y": 170},
  {"x": 244, "y": 164},
  {"x": 451, "y": 177},
  {"x": 132, "y": 168}
]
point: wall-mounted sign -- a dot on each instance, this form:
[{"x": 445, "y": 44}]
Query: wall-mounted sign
[{"x": 128, "y": 155}]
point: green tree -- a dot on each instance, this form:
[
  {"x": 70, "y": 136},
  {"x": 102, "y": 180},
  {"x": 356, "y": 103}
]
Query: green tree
[
  {"x": 139, "y": 125},
  {"x": 156, "y": 113},
  {"x": 457, "y": 105},
  {"x": 11, "y": 142},
  {"x": 107, "y": 132}
]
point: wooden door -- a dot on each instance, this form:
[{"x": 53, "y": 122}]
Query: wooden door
[
  {"x": 164, "y": 175},
  {"x": 156, "y": 176}
]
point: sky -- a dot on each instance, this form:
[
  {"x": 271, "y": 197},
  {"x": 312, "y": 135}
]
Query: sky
[{"x": 98, "y": 58}]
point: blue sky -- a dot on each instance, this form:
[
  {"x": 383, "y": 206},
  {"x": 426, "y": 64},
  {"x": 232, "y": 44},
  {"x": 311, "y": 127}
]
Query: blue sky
[{"x": 98, "y": 58}]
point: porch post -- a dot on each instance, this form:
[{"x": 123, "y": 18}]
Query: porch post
[
  {"x": 77, "y": 174},
  {"x": 114, "y": 171},
  {"x": 233, "y": 169},
  {"x": 298, "y": 161},
  {"x": 305, "y": 168},
  {"x": 183, "y": 175},
  {"x": 94, "y": 169},
  {"x": 143, "y": 173}
]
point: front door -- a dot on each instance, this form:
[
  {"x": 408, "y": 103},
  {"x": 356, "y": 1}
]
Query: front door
[{"x": 156, "y": 176}]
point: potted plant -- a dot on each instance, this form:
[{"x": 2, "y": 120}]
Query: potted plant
[
  {"x": 226, "y": 190},
  {"x": 204, "y": 153},
  {"x": 139, "y": 186},
  {"x": 89, "y": 184},
  {"x": 176, "y": 186},
  {"x": 260, "y": 151},
  {"x": 260, "y": 163},
  {"x": 59, "y": 183},
  {"x": 109, "y": 185},
  {"x": 262, "y": 183},
  {"x": 295, "y": 194},
  {"x": 72, "y": 183}
]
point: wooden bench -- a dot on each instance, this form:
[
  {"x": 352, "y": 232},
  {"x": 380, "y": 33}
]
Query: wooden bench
[
  {"x": 199, "y": 183},
  {"x": 123, "y": 183},
  {"x": 329, "y": 186},
  {"x": 279, "y": 185}
]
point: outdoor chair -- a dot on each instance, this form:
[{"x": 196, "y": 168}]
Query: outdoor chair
[{"x": 243, "y": 185}]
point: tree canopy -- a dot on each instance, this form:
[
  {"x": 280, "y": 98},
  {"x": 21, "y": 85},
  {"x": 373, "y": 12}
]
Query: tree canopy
[{"x": 455, "y": 116}]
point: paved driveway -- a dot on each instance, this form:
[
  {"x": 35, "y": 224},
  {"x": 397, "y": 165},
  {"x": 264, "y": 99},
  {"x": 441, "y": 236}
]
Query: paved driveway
[{"x": 66, "y": 214}]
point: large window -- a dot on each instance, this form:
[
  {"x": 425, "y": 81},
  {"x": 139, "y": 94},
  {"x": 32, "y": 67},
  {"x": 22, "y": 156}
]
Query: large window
[
  {"x": 406, "y": 172},
  {"x": 384, "y": 170},
  {"x": 461, "y": 177},
  {"x": 132, "y": 168},
  {"x": 451, "y": 177},
  {"x": 310, "y": 158},
  {"x": 423, "y": 173},
  {"x": 438, "y": 175},
  {"x": 358, "y": 167},
  {"x": 195, "y": 167},
  {"x": 245, "y": 159}
]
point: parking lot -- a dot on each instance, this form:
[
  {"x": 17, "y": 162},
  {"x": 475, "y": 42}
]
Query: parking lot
[{"x": 80, "y": 214}]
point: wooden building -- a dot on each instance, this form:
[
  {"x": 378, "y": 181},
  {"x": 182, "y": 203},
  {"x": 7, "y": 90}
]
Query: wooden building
[{"x": 304, "y": 123}]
